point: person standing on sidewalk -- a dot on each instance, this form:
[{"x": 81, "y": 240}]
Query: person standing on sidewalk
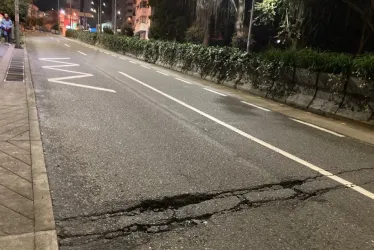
[{"x": 7, "y": 25}]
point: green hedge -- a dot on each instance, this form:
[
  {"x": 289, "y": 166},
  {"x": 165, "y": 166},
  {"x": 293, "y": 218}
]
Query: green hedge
[{"x": 227, "y": 63}]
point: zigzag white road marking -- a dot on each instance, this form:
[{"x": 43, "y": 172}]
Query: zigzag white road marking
[{"x": 61, "y": 80}]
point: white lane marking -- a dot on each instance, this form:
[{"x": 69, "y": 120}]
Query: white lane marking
[
  {"x": 61, "y": 64},
  {"x": 262, "y": 143},
  {"x": 162, "y": 73},
  {"x": 145, "y": 66},
  {"x": 182, "y": 80},
  {"x": 123, "y": 58},
  {"x": 215, "y": 92},
  {"x": 316, "y": 127},
  {"x": 114, "y": 55},
  {"x": 250, "y": 104},
  {"x": 58, "y": 40},
  {"x": 67, "y": 45},
  {"x": 82, "y": 53},
  {"x": 106, "y": 52},
  {"x": 132, "y": 62},
  {"x": 58, "y": 80}
]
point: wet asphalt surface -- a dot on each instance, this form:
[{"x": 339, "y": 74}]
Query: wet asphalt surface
[{"x": 137, "y": 170}]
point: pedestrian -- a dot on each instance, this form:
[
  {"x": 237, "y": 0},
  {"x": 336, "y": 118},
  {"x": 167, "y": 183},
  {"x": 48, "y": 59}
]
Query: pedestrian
[{"x": 7, "y": 25}]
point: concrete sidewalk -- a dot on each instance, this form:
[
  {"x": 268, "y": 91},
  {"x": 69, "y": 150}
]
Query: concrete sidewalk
[{"x": 26, "y": 217}]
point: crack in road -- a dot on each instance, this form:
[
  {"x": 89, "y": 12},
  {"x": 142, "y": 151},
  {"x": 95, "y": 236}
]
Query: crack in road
[{"x": 169, "y": 213}]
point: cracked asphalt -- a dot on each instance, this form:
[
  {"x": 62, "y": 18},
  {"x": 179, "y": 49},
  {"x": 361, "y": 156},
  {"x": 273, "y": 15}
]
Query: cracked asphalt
[{"x": 135, "y": 169}]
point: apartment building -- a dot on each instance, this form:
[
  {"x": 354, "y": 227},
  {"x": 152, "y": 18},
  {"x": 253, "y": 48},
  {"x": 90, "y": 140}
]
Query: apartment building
[
  {"x": 142, "y": 21},
  {"x": 125, "y": 13}
]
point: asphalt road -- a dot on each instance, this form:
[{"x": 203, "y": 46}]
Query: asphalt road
[{"x": 140, "y": 157}]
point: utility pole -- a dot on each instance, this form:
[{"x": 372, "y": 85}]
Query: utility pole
[
  {"x": 250, "y": 26},
  {"x": 115, "y": 17},
  {"x": 16, "y": 12},
  {"x": 58, "y": 17},
  {"x": 100, "y": 10},
  {"x": 71, "y": 13}
]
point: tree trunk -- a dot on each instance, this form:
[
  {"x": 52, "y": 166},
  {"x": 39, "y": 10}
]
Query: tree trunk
[
  {"x": 239, "y": 25},
  {"x": 206, "y": 36},
  {"x": 363, "y": 39}
]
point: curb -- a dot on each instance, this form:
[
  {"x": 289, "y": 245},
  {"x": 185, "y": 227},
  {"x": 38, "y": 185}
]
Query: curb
[{"x": 45, "y": 236}]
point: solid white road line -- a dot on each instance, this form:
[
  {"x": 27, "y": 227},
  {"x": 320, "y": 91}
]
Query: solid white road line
[
  {"x": 145, "y": 66},
  {"x": 182, "y": 80},
  {"x": 132, "y": 62},
  {"x": 316, "y": 127},
  {"x": 250, "y": 104},
  {"x": 262, "y": 143},
  {"x": 218, "y": 93},
  {"x": 162, "y": 73},
  {"x": 67, "y": 45},
  {"x": 82, "y": 53}
]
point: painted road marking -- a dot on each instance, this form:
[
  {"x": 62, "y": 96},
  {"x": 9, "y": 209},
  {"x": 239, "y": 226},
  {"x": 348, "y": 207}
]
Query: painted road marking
[
  {"x": 218, "y": 93},
  {"x": 182, "y": 80},
  {"x": 262, "y": 143},
  {"x": 58, "y": 41},
  {"x": 132, "y": 62},
  {"x": 82, "y": 53},
  {"x": 316, "y": 127},
  {"x": 106, "y": 52},
  {"x": 145, "y": 66},
  {"x": 123, "y": 58},
  {"x": 162, "y": 73},
  {"x": 250, "y": 104},
  {"x": 61, "y": 80},
  {"x": 67, "y": 45}
]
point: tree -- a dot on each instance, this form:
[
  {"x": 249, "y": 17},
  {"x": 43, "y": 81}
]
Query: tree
[
  {"x": 239, "y": 25},
  {"x": 40, "y": 21},
  {"x": 294, "y": 18},
  {"x": 7, "y": 6},
  {"x": 365, "y": 9},
  {"x": 206, "y": 10},
  {"x": 169, "y": 19}
]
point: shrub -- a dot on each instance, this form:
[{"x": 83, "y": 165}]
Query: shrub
[
  {"x": 227, "y": 63},
  {"x": 55, "y": 26},
  {"x": 107, "y": 30},
  {"x": 195, "y": 34}
]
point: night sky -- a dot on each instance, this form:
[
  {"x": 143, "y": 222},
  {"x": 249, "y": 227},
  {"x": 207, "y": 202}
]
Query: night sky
[{"x": 45, "y": 5}]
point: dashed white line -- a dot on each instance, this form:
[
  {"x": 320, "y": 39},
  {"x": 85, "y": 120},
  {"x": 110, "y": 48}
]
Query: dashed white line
[
  {"x": 250, "y": 104},
  {"x": 67, "y": 45},
  {"x": 182, "y": 80},
  {"x": 162, "y": 73},
  {"x": 262, "y": 143},
  {"x": 215, "y": 92},
  {"x": 82, "y": 53},
  {"x": 106, "y": 52},
  {"x": 317, "y": 127},
  {"x": 145, "y": 67}
]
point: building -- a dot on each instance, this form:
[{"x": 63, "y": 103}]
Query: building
[
  {"x": 75, "y": 4},
  {"x": 142, "y": 20},
  {"x": 125, "y": 13},
  {"x": 32, "y": 11}
]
